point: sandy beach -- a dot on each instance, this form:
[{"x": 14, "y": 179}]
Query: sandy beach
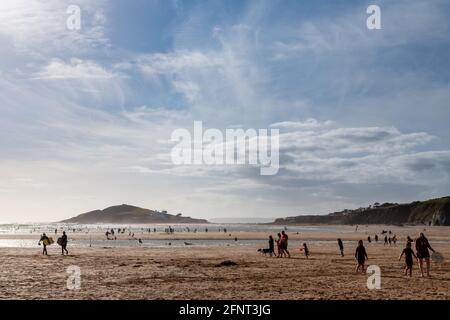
[{"x": 194, "y": 272}]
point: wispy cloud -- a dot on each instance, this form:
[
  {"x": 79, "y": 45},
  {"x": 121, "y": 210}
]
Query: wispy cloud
[{"x": 74, "y": 69}]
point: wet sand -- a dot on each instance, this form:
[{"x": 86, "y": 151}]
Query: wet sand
[{"x": 192, "y": 272}]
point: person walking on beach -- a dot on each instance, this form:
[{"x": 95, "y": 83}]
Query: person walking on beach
[
  {"x": 305, "y": 250},
  {"x": 422, "y": 246},
  {"x": 279, "y": 249},
  {"x": 369, "y": 239},
  {"x": 385, "y": 240},
  {"x": 271, "y": 246},
  {"x": 376, "y": 238},
  {"x": 284, "y": 238},
  {"x": 341, "y": 246},
  {"x": 409, "y": 254},
  {"x": 64, "y": 243},
  {"x": 361, "y": 256},
  {"x": 44, "y": 239}
]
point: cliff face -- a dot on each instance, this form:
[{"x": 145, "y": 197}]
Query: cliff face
[
  {"x": 434, "y": 212},
  {"x": 129, "y": 215}
]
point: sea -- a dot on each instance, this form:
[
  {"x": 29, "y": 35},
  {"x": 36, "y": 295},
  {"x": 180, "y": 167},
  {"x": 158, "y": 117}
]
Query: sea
[{"x": 27, "y": 235}]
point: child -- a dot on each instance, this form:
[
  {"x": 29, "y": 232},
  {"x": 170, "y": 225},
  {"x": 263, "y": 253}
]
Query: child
[
  {"x": 409, "y": 254},
  {"x": 361, "y": 256},
  {"x": 305, "y": 250}
]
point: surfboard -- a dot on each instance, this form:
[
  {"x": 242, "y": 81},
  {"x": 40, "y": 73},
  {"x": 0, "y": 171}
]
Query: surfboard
[
  {"x": 59, "y": 241},
  {"x": 48, "y": 241}
]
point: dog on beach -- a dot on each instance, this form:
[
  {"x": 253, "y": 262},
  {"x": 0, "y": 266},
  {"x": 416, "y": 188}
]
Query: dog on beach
[{"x": 264, "y": 251}]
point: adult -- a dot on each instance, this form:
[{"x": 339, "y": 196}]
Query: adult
[
  {"x": 279, "y": 249},
  {"x": 361, "y": 256},
  {"x": 341, "y": 246},
  {"x": 284, "y": 242},
  {"x": 422, "y": 246},
  {"x": 271, "y": 246},
  {"x": 44, "y": 239},
  {"x": 64, "y": 243}
]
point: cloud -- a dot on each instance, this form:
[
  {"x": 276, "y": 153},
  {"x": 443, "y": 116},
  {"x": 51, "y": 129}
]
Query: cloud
[
  {"x": 38, "y": 27},
  {"x": 74, "y": 69},
  {"x": 88, "y": 115},
  {"x": 307, "y": 124},
  {"x": 172, "y": 63}
]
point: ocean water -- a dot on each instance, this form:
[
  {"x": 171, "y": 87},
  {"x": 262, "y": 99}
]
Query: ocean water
[
  {"x": 35, "y": 230},
  {"x": 179, "y": 229}
]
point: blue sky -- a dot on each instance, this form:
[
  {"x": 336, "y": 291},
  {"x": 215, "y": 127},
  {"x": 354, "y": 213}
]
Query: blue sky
[{"x": 86, "y": 116}]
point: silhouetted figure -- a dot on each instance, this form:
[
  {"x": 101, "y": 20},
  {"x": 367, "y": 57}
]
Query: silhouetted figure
[
  {"x": 341, "y": 246},
  {"x": 44, "y": 239},
  {"x": 422, "y": 246},
  {"x": 271, "y": 246},
  {"x": 64, "y": 243},
  {"x": 361, "y": 256}
]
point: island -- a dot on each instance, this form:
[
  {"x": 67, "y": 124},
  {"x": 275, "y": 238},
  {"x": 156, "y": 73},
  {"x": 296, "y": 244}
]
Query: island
[{"x": 128, "y": 214}]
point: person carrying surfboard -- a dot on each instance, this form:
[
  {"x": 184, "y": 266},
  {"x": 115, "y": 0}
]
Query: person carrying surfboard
[{"x": 45, "y": 240}]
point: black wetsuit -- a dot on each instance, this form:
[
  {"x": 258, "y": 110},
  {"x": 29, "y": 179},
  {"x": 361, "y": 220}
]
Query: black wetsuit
[
  {"x": 44, "y": 250},
  {"x": 64, "y": 244},
  {"x": 341, "y": 247}
]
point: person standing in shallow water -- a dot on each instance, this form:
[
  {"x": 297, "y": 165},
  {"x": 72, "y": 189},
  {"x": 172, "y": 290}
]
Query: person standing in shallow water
[
  {"x": 341, "y": 246},
  {"x": 44, "y": 239}
]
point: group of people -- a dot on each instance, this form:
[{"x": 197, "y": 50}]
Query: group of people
[
  {"x": 45, "y": 241},
  {"x": 422, "y": 255},
  {"x": 282, "y": 245}
]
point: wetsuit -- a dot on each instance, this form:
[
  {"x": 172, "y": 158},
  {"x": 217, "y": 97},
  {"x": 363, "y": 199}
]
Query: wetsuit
[
  {"x": 44, "y": 250},
  {"x": 64, "y": 244},
  {"x": 341, "y": 247}
]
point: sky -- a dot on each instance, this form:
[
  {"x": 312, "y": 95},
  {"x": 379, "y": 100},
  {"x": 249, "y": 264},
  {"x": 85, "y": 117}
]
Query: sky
[{"x": 86, "y": 115}]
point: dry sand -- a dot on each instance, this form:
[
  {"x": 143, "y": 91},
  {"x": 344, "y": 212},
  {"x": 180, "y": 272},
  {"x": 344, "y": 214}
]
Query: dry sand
[{"x": 192, "y": 273}]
